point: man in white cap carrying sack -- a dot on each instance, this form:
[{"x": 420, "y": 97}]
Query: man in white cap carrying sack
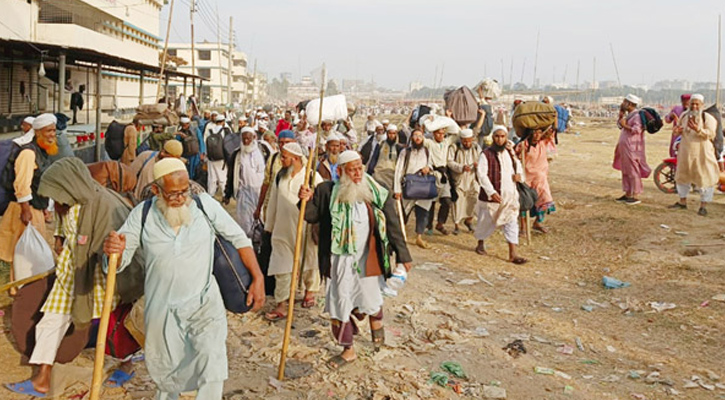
[
  {"x": 358, "y": 222},
  {"x": 696, "y": 160},
  {"x": 629, "y": 156},
  {"x": 185, "y": 319},
  {"x": 462, "y": 162},
  {"x": 26, "y": 166},
  {"x": 281, "y": 221}
]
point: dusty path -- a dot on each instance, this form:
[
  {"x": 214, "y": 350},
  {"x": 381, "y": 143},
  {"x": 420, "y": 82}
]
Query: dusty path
[{"x": 448, "y": 313}]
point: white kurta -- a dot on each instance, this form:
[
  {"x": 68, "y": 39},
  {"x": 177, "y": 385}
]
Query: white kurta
[
  {"x": 466, "y": 183},
  {"x": 348, "y": 288},
  {"x": 492, "y": 215},
  {"x": 282, "y": 217},
  {"x": 248, "y": 176},
  {"x": 439, "y": 158},
  {"x": 418, "y": 160}
]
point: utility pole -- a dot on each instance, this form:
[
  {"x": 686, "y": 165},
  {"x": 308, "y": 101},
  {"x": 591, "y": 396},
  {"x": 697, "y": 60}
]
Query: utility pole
[
  {"x": 192, "y": 10},
  {"x": 254, "y": 83},
  {"x": 616, "y": 69},
  {"x": 219, "y": 57},
  {"x": 523, "y": 69},
  {"x": 511, "y": 74},
  {"x": 719, "y": 51},
  {"x": 503, "y": 76},
  {"x": 536, "y": 57},
  {"x": 229, "y": 69}
]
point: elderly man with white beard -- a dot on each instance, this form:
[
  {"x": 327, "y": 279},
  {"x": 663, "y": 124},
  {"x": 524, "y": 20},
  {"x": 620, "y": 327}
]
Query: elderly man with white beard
[
  {"x": 696, "y": 160},
  {"x": 463, "y": 162},
  {"x": 358, "y": 224},
  {"x": 185, "y": 320},
  {"x": 327, "y": 166},
  {"x": 244, "y": 179}
]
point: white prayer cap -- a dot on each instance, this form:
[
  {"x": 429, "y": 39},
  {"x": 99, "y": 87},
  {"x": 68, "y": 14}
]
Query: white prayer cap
[
  {"x": 378, "y": 124},
  {"x": 214, "y": 113},
  {"x": 347, "y": 156},
  {"x": 697, "y": 96},
  {"x": 184, "y": 120},
  {"x": 168, "y": 166},
  {"x": 29, "y": 120},
  {"x": 392, "y": 127},
  {"x": 219, "y": 118},
  {"x": 633, "y": 99},
  {"x": 386, "y": 121},
  {"x": 466, "y": 133},
  {"x": 263, "y": 124},
  {"x": 294, "y": 149},
  {"x": 302, "y": 112},
  {"x": 242, "y": 119},
  {"x": 333, "y": 138},
  {"x": 247, "y": 129},
  {"x": 495, "y": 129},
  {"x": 43, "y": 120}
]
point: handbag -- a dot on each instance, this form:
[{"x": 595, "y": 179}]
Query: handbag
[
  {"x": 418, "y": 186},
  {"x": 527, "y": 196},
  {"x": 231, "y": 275}
]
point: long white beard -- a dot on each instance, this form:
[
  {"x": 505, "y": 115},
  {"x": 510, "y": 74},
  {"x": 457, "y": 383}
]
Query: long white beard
[
  {"x": 175, "y": 216},
  {"x": 248, "y": 149},
  {"x": 351, "y": 192}
]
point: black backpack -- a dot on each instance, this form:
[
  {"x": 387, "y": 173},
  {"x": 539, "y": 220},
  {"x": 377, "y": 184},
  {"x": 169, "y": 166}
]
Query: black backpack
[
  {"x": 215, "y": 146},
  {"x": 114, "y": 140},
  {"x": 190, "y": 143},
  {"x": 651, "y": 120},
  {"x": 232, "y": 142},
  {"x": 8, "y": 153}
]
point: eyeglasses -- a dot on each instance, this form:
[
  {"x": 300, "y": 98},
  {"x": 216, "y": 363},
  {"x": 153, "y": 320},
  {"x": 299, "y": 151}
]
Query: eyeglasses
[{"x": 176, "y": 195}]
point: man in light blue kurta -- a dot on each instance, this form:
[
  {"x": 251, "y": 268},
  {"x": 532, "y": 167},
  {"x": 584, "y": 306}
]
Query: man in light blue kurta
[{"x": 185, "y": 319}]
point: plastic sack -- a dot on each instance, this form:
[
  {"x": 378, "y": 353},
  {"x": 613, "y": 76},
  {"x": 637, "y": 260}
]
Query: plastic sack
[
  {"x": 333, "y": 108},
  {"x": 33, "y": 255}
]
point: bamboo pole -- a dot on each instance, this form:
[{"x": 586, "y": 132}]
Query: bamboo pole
[
  {"x": 103, "y": 328},
  {"x": 298, "y": 243},
  {"x": 719, "y": 52},
  {"x": 399, "y": 206},
  {"x": 25, "y": 281},
  {"x": 527, "y": 218},
  {"x": 163, "y": 58}
]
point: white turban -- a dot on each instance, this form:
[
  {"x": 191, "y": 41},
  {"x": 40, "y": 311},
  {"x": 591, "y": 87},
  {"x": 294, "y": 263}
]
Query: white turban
[
  {"x": 43, "y": 120},
  {"x": 498, "y": 128},
  {"x": 697, "y": 96},
  {"x": 347, "y": 156},
  {"x": 168, "y": 166},
  {"x": 247, "y": 129},
  {"x": 392, "y": 127},
  {"x": 333, "y": 138},
  {"x": 386, "y": 121},
  {"x": 29, "y": 120},
  {"x": 219, "y": 118},
  {"x": 184, "y": 120},
  {"x": 466, "y": 133},
  {"x": 294, "y": 149},
  {"x": 633, "y": 99}
]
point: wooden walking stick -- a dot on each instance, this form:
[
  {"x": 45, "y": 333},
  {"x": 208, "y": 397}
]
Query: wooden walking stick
[
  {"x": 103, "y": 328},
  {"x": 25, "y": 281},
  {"x": 527, "y": 219},
  {"x": 399, "y": 206},
  {"x": 298, "y": 243}
]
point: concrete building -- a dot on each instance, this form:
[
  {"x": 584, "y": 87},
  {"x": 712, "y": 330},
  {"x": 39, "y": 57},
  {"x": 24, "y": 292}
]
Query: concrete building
[{"x": 72, "y": 39}]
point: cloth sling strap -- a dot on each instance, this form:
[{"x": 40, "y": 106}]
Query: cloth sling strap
[{"x": 146, "y": 162}]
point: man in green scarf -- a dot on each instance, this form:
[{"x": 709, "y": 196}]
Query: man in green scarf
[{"x": 358, "y": 229}]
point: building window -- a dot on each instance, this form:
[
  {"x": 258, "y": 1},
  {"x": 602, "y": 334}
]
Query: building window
[
  {"x": 204, "y": 72},
  {"x": 206, "y": 94},
  {"x": 205, "y": 55},
  {"x": 171, "y": 52}
]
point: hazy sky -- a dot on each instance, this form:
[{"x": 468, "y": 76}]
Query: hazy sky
[{"x": 395, "y": 42}]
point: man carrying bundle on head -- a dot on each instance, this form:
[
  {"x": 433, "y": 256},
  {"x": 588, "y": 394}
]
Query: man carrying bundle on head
[
  {"x": 281, "y": 222},
  {"x": 534, "y": 145},
  {"x": 358, "y": 222}
]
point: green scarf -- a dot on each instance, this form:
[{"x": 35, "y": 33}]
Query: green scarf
[{"x": 343, "y": 229}]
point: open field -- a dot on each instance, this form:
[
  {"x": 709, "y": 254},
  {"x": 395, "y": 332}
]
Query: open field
[{"x": 458, "y": 306}]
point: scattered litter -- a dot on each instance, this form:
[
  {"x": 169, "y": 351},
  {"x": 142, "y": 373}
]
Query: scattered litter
[
  {"x": 589, "y": 362},
  {"x": 705, "y": 303},
  {"x": 681, "y": 233},
  {"x": 541, "y": 339},
  {"x": 663, "y": 226},
  {"x": 565, "y": 349},
  {"x": 588, "y": 377},
  {"x": 614, "y": 283},
  {"x": 711, "y": 375},
  {"x": 719, "y": 297},
  {"x": 467, "y": 282},
  {"x": 484, "y": 280},
  {"x": 544, "y": 371},
  {"x": 579, "y": 344},
  {"x": 706, "y": 386},
  {"x": 610, "y": 378},
  {"x": 634, "y": 375},
  {"x": 439, "y": 378},
  {"x": 275, "y": 383},
  {"x": 515, "y": 348},
  {"x": 493, "y": 392},
  {"x": 611, "y": 349},
  {"x": 454, "y": 369},
  {"x": 480, "y": 332},
  {"x": 429, "y": 266},
  {"x": 660, "y": 306},
  {"x": 545, "y": 258},
  {"x": 562, "y": 375},
  {"x": 557, "y": 309},
  {"x": 587, "y": 308},
  {"x": 568, "y": 389},
  {"x": 690, "y": 384}
]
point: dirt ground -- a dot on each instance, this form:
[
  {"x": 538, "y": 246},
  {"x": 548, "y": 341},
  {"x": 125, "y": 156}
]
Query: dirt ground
[{"x": 458, "y": 306}]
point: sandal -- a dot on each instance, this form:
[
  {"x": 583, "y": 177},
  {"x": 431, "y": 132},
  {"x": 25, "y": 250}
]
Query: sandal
[
  {"x": 442, "y": 229},
  {"x": 274, "y": 315},
  {"x": 118, "y": 378},
  {"x": 338, "y": 362},
  {"x": 309, "y": 301},
  {"x": 378, "y": 336},
  {"x": 541, "y": 228},
  {"x": 519, "y": 261},
  {"x": 481, "y": 252},
  {"x": 24, "y": 387}
]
